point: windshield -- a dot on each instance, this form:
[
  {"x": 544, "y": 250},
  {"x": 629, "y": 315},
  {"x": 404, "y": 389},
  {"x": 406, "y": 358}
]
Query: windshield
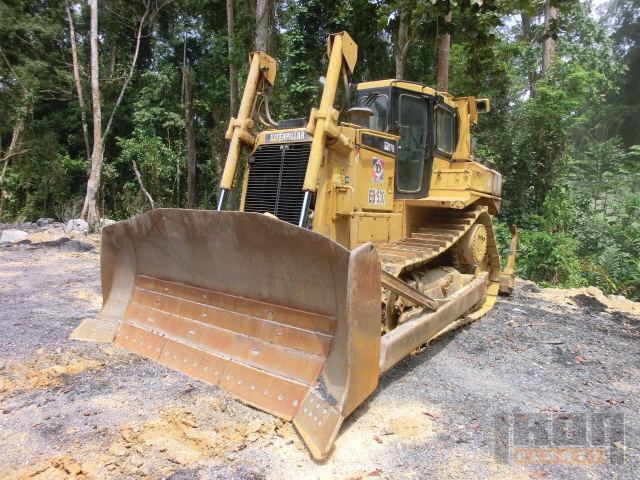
[{"x": 379, "y": 104}]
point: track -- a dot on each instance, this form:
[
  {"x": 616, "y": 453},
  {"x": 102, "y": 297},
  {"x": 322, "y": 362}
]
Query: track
[{"x": 439, "y": 235}]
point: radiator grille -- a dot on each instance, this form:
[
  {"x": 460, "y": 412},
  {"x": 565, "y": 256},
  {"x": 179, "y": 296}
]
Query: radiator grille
[{"x": 275, "y": 180}]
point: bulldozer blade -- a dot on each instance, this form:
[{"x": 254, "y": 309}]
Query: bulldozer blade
[{"x": 282, "y": 318}]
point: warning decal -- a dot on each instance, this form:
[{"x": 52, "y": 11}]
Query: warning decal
[{"x": 377, "y": 171}]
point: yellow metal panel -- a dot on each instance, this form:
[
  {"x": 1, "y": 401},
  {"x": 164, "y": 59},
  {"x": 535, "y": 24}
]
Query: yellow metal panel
[
  {"x": 349, "y": 49},
  {"x": 458, "y": 180},
  {"x": 375, "y": 173},
  {"x": 380, "y": 228},
  {"x": 447, "y": 99},
  {"x": 268, "y": 66},
  {"x": 462, "y": 150},
  {"x": 395, "y": 230},
  {"x": 344, "y": 199},
  {"x": 485, "y": 180},
  {"x": 372, "y": 229},
  {"x": 414, "y": 87}
]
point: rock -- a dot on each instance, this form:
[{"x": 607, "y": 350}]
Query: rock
[
  {"x": 78, "y": 225},
  {"x": 617, "y": 297},
  {"x": 76, "y": 246},
  {"x": 43, "y": 222},
  {"x": 58, "y": 242},
  {"x": 12, "y": 235},
  {"x": 528, "y": 286}
]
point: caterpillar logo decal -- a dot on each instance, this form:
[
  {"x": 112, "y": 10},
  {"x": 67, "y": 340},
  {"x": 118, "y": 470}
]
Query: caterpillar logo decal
[{"x": 283, "y": 137}]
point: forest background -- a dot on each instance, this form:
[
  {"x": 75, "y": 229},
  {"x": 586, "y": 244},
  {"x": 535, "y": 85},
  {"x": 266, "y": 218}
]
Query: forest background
[{"x": 109, "y": 108}]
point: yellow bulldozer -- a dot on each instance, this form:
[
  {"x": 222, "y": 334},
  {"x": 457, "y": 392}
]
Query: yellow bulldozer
[{"x": 355, "y": 243}]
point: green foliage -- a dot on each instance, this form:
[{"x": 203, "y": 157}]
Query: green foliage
[
  {"x": 549, "y": 258},
  {"x": 36, "y": 189},
  {"x": 157, "y": 163},
  {"x": 565, "y": 140},
  {"x": 573, "y": 244}
]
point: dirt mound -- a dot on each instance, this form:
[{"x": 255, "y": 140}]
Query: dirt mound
[{"x": 591, "y": 298}]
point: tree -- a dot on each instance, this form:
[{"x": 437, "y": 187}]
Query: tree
[
  {"x": 233, "y": 76},
  {"x": 78, "y": 83},
  {"x": 90, "y": 208},
  {"x": 264, "y": 11},
  {"x": 444, "y": 43},
  {"x": 408, "y": 15},
  {"x": 191, "y": 139},
  {"x": 402, "y": 43},
  {"x": 550, "y": 33},
  {"x": 622, "y": 21}
]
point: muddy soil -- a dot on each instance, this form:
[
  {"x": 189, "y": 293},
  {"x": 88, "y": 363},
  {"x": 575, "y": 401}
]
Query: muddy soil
[{"x": 539, "y": 371}]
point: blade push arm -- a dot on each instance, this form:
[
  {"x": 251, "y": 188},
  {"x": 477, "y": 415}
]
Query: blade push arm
[
  {"x": 324, "y": 121},
  {"x": 263, "y": 69}
]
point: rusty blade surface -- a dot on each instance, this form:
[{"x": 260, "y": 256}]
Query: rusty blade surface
[
  {"x": 266, "y": 363},
  {"x": 181, "y": 321},
  {"x": 276, "y": 332}
]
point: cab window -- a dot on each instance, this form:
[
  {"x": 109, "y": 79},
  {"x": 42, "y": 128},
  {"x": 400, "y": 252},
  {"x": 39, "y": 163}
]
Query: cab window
[
  {"x": 412, "y": 128},
  {"x": 445, "y": 130},
  {"x": 379, "y": 104}
]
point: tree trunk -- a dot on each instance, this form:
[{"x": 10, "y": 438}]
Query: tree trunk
[
  {"x": 264, "y": 10},
  {"x": 402, "y": 43},
  {"x": 191, "y": 140},
  {"x": 444, "y": 44},
  {"x": 90, "y": 208},
  {"x": 76, "y": 80},
  {"x": 526, "y": 38},
  {"x": 11, "y": 152},
  {"x": 549, "y": 38},
  {"x": 233, "y": 78}
]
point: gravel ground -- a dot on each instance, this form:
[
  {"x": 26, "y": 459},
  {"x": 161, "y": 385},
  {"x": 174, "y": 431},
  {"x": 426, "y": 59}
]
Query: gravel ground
[{"x": 532, "y": 373}]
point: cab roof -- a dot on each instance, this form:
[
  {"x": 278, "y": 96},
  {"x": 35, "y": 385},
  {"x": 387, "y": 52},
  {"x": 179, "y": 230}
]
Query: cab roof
[{"x": 409, "y": 86}]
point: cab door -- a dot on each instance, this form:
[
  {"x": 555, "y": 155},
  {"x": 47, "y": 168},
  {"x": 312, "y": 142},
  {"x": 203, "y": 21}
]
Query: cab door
[{"x": 412, "y": 159}]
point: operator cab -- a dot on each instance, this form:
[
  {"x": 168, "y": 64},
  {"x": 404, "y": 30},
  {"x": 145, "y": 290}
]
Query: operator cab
[{"x": 422, "y": 119}]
